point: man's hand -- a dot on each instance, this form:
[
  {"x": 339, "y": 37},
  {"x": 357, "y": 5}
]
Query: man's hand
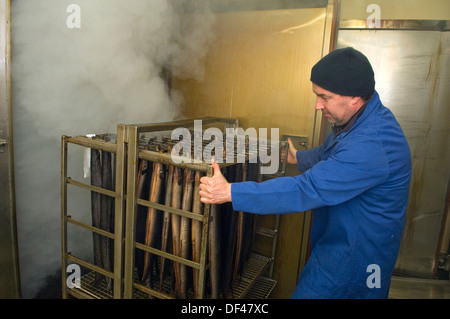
[
  {"x": 215, "y": 189},
  {"x": 292, "y": 154}
]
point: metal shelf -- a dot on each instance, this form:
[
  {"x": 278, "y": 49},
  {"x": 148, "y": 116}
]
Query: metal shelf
[
  {"x": 262, "y": 288},
  {"x": 253, "y": 269},
  {"x": 249, "y": 284}
]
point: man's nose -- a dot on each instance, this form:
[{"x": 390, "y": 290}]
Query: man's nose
[{"x": 319, "y": 106}]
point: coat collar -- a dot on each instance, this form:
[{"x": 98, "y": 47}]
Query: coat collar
[{"x": 360, "y": 116}]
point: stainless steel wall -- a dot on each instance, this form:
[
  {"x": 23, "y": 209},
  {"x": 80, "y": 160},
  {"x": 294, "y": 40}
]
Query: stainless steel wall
[{"x": 412, "y": 69}]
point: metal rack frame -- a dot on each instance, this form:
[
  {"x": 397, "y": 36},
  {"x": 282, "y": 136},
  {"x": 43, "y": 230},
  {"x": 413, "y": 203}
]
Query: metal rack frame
[
  {"x": 128, "y": 153},
  {"x": 134, "y": 154},
  {"x": 120, "y": 199}
]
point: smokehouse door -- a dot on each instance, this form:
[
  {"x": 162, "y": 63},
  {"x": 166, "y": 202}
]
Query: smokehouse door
[{"x": 9, "y": 264}]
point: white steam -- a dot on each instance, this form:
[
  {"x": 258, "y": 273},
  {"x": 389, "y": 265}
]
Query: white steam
[{"x": 87, "y": 80}]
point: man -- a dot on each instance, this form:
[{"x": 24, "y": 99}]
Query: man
[{"x": 357, "y": 183}]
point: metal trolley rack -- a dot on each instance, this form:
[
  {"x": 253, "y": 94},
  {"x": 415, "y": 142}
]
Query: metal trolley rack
[
  {"x": 128, "y": 153},
  {"x": 119, "y": 150}
]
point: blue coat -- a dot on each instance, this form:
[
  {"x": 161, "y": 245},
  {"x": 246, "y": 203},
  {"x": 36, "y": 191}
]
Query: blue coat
[{"x": 357, "y": 184}]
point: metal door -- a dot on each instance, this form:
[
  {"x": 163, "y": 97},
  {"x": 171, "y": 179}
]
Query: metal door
[
  {"x": 412, "y": 70},
  {"x": 9, "y": 264}
]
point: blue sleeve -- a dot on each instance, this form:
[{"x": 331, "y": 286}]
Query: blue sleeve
[
  {"x": 351, "y": 170},
  {"x": 307, "y": 159}
]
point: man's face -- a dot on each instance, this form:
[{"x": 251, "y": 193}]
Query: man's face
[{"x": 338, "y": 109}]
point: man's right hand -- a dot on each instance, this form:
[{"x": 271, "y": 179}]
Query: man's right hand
[{"x": 215, "y": 189}]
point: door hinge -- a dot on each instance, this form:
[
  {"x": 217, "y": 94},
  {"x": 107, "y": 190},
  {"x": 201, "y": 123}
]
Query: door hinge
[{"x": 3, "y": 142}]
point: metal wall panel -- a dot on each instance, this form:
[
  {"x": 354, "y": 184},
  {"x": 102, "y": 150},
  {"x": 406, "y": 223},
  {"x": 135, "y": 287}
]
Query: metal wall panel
[
  {"x": 258, "y": 70},
  {"x": 412, "y": 70}
]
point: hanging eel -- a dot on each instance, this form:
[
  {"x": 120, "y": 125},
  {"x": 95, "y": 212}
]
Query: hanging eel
[
  {"x": 152, "y": 226},
  {"x": 175, "y": 223},
  {"x": 107, "y": 216},
  {"x": 196, "y": 233},
  {"x": 185, "y": 227},
  {"x": 166, "y": 221},
  {"x": 96, "y": 180}
]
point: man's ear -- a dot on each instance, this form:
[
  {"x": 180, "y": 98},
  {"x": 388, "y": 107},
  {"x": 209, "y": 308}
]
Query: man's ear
[{"x": 356, "y": 100}]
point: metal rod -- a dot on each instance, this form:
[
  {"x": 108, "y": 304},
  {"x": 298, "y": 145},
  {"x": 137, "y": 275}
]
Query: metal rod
[
  {"x": 153, "y": 292},
  {"x": 274, "y": 243},
  {"x": 177, "y": 259},
  {"x": 397, "y": 24},
  {"x": 81, "y": 293},
  {"x": 155, "y": 127},
  {"x": 89, "y": 227},
  {"x": 89, "y": 265},
  {"x": 93, "y": 143},
  {"x": 90, "y": 187},
  {"x": 119, "y": 211},
  {"x": 63, "y": 215},
  {"x": 131, "y": 209},
  {"x": 171, "y": 210},
  {"x": 203, "y": 248},
  {"x": 168, "y": 159}
]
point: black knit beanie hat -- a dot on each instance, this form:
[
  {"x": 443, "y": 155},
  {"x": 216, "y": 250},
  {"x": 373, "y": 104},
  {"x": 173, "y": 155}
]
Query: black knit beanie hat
[{"x": 345, "y": 72}]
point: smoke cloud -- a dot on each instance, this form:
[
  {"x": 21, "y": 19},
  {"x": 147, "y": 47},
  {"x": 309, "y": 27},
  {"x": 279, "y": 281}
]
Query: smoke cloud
[{"x": 87, "y": 79}]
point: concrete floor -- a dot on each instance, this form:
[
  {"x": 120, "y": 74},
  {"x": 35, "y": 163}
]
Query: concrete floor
[
  {"x": 401, "y": 288},
  {"x": 417, "y": 288}
]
